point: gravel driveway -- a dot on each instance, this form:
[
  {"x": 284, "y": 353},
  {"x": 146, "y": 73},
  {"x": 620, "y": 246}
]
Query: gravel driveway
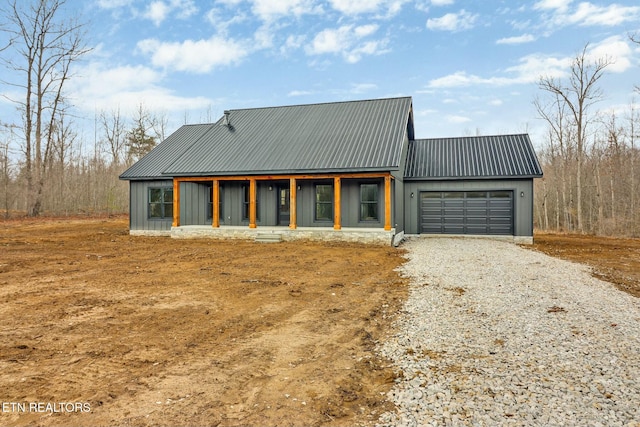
[{"x": 494, "y": 334}]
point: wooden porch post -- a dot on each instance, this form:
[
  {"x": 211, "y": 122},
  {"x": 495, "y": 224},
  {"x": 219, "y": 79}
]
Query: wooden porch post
[
  {"x": 252, "y": 203},
  {"x": 292, "y": 204},
  {"x": 176, "y": 203},
  {"x": 337, "y": 206},
  {"x": 215, "y": 200},
  {"x": 387, "y": 203}
]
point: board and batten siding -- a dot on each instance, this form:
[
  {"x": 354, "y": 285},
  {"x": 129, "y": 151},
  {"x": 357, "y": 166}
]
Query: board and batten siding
[
  {"x": 522, "y": 205},
  {"x": 195, "y": 198},
  {"x": 139, "y": 205}
]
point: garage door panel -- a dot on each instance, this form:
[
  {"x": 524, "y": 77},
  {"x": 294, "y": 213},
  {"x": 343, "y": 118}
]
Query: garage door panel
[
  {"x": 476, "y": 221},
  {"x": 477, "y": 212},
  {"x": 471, "y": 212}
]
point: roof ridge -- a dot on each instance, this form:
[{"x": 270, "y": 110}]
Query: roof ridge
[
  {"x": 500, "y": 135},
  {"x": 319, "y": 103}
]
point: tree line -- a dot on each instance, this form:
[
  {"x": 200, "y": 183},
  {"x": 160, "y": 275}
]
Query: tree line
[
  {"x": 45, "y": 165},
  {"x": 589, "y": 157}
]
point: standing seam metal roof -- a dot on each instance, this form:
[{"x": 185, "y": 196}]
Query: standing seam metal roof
[
  {"x": 500, "y": 156},
  {"x": 355, "y": 135},
  {"x": 152, "y": 164}
]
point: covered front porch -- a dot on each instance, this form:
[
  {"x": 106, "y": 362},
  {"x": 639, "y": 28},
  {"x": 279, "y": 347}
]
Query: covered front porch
[{"x": 293, "y": 202}]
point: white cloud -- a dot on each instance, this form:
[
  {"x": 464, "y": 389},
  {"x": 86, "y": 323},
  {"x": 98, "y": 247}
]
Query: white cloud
[
  {"x": 159, "y": 10},
  {"x": 347, "y": 41},
  {"x": 458, "y": 79},
  {"x": 462, "y": 20},
  {"x": 98, "y": 86},
  {"x": 360, "y": 88},
  {"x": 615, "y": 49},
  {"x": 355, "y": 7},
  {"x": 614, "y": 14},
  {"x": 531, "y": 67},
  {"x": 222, "y": 23},
  {"x": 457, "y": 119},
  {"x": 331, "y": 40},
  {"x": 263, "y": 37},
  {"x": 525, "y": 38},
  {"x": 113, "y": 4},
  {"x": 587, "y": 13},
  {"x": 292, "y": 43},
  {"x": 442, "y": 2},
  {"x": 365, "y": 30},
  {"x": 529, "y": 70},
  {"x": 559, "y": 5},
  {"x": 188, "y": 55},
  {"x": 268, "y": 10},
  {"x": 300, "y": 93}
]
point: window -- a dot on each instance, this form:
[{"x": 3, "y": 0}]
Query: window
[
  {"x": 500, "y": 194},
  {"x": 161, "y": 203},
  {"x": 476, "y": 194},
  {"x": 369, "y": 202},
  {"x": 210, "y": 202},
  {"x": 245, "y": 203},
  {"x": 324, "y": 202}
]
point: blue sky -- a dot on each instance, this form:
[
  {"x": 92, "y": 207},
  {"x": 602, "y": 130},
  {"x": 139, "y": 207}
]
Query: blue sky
[{"x": 470, "y": 66}]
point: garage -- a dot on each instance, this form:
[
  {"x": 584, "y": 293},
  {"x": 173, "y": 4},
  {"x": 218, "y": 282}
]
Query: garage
[
  {"x": 480, "y": 185},
  {"x": 466, "y": 212}
]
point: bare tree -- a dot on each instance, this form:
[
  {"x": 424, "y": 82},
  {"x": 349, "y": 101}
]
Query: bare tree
[
  {"x": 578, "y": 94},
  {"x": 634, "y": 120},
  {"x": 45, "y": 48},
  {"x": 113, "y": 129},
  {"x": 635, "y": 38},
  {"x": 5, "y": 177}
]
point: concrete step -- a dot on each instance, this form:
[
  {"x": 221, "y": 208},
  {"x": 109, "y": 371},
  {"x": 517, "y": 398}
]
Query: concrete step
[{"x": 268, "y": 237}]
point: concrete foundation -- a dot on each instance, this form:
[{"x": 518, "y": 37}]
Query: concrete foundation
[{"x": 359, "y": 235}]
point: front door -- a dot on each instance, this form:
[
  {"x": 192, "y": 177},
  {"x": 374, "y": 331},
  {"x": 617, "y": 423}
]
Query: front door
[{"x": 284, "y": 205}]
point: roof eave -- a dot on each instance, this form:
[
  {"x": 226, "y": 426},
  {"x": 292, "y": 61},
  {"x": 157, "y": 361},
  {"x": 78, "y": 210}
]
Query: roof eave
[{"x": 463, "y": 178}]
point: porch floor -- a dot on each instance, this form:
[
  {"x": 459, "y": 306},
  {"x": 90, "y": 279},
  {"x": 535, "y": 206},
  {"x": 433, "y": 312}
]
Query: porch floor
[{"x": 346, "y": 234}]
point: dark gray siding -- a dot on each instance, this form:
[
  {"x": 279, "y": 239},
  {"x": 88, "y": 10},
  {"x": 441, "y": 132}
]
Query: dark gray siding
[
  {"x": 139, "y": 198},
  {"x": 397, "y": 186},
  {"x": 522, "y": 205},
  {"x": 194, "y": 198}
]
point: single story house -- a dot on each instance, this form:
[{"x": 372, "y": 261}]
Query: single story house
[{"x": 344, "y": 170}]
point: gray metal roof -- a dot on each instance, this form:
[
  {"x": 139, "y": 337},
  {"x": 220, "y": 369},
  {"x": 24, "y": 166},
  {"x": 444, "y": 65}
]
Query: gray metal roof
[
  {"x": 157, "y": 160},
  {"x": 484, "y": 157},
  {"x": 332, "y": 137}
]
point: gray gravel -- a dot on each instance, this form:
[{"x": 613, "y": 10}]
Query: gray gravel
[{"x": 494, "y": 334}]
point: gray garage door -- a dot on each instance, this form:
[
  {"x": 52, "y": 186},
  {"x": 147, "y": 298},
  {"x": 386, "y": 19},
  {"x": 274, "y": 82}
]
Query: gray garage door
[{"x": 466, "y": 212}]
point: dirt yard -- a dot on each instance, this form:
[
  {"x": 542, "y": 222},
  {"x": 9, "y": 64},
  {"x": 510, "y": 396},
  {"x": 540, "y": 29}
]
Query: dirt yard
[
  {"x": 100, "y": 328},
  {"x": 613, "y": 259},
  {"x": 109, "y": 329}
]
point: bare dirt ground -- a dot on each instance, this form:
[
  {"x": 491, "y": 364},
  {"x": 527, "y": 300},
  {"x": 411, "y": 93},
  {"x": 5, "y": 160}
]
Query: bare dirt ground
[
  {"x": 614, "y": 260},
  {"x": 109, "y": 329},
  {"x": 155, "y": 331}
]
